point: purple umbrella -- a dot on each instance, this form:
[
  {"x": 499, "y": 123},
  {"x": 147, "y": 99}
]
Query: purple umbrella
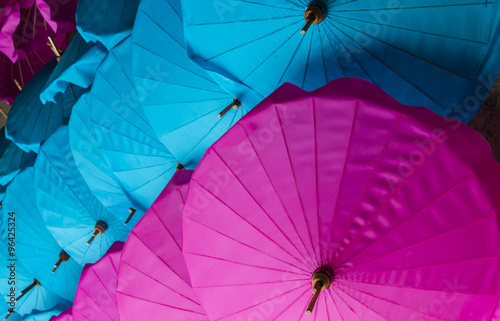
[
  {"x": 153, "y": 283},
  {"x": 346, "y": 205}
]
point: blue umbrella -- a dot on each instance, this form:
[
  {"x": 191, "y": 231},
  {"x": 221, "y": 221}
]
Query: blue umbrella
[
  {"x": 36, "y": 248},
  {"x": 12, "y": 159},
  {"x": 4, "y": 311},
  {"x": 430, "y": 53},
  {"x": 106, "y": 21},
  {"x": 180, "y": 99},
  {"x": 81, "y": 225},
  {"x": 92, "y": 164},
  {"x": 46, "y": 315},
  {"x": 22, "y": 290},
  {"x": 141, "y": 163},
  {"x": 77, "y": 66},
  {"x": 29, "y": 122}
]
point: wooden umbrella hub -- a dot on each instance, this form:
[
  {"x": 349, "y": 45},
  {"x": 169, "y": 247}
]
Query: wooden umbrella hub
[
  {"x": 25, "y": 291},
  {"x": 235, "y": 105},
  {"x": 63, "y": 257},
  {"x": 312, "y": 15},
  {"x": 321, "y": 280},
  {"x": 99, "y": 228}
]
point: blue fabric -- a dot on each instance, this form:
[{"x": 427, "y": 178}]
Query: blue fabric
[
  {"x": 36, "y": 248},
  {"x": 30, "y": 122},
  {"x": 434, "y": 53},
  {"x": 179, "y": 98},
  {"x": 142, "y": 164},
  {"x": 92, "y": 164},
  {"x": 39, "y": 298},
  {"x": 106, "y": 21},
  {"x": 68, "y": 207},
  {"x": 12, "y": 160},
  {"x": 4, "y": 310},
  {"x": 46, "y": 315},
  {"x": 76, "y": 66}
]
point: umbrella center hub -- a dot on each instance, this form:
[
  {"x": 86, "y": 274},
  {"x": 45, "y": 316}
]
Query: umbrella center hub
[
  {"x": 321, "y": 280},
  {"x": 312, "y": 15}
]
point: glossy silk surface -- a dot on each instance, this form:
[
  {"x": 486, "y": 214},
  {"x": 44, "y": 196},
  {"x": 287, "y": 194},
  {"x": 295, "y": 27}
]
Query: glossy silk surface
[
  {"x": 415, "y": 51},
  {"x": 153, "y": 282},
  {"x": 96, "y": 298},
  {"x": 67, "y": 205},
  {"x": 398, "y": 204}
]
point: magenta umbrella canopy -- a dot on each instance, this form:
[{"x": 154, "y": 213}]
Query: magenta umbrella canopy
[
  {"x": 23, "y": 70},
  {"x": 59, "y": 14},
  {"x": 66, "y": 315},
  {"x": 24, "y": 28},
  {"x": 95, "y": 296},
  {"x": 153, "y": 283},
  {"x": 389, "y": 211}
]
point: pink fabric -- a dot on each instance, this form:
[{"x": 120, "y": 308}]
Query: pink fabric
[
  {"x": 24, "y": 28},
  {"x": 59, "y": 14},
  {"x": 66, "y": 315},
  {"x": 96, "y": 293},
  {"x": 400, "y": 203},
  {"x": 23, "y": 70},
  {"x": 153, "y": 282}
]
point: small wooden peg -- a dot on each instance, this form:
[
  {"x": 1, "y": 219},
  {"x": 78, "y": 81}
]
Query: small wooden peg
[
  {"x": 312, "y": 16},
  {"x": 132, "y": 212},
  {"x": 18, "y": 85},
  {"x": 235, "y": 104}
]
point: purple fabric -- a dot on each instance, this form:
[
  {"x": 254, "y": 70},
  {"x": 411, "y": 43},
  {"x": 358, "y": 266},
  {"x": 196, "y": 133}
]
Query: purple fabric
[
  {"x": 66, "y": 315},
  {"x": 24, "y": 28},
  {"x": 153, "y": 282},
  {"x": 400, "y": 203},
  {"x": 95, "y": 296},
  {"x": 59, "y": 14},
  {"x": 23, "y": 70}
]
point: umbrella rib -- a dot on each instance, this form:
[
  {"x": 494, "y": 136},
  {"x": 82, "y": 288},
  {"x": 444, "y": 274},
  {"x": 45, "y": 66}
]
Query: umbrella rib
[
  {"x": 165, "y": 305},
  {"x": 305, "y": 279},
  {"x": 334, "y": 290},
  {"x": 92, "y": 300},
  {"x": 264, "y": 211},
  {"x": 294, "y": 302},
  {"x": 291, "y": 58},
  {"x": 323, "y": 55},
  {"x": 410, "y": 216},
  {"x": 483, "y": 3},
  {"x": 153, "y": 208},
  {"x": 402, "y": 50},
  {"x": 428, "y": 239},
  {"x": 329, "y": 294},
  {"x": 250, "y": 247},
  {"x": 165, "y": 31},
  {"x": 242, "y": 21},
  {"x": 396, "y": 189},
  {"x": 341, "y": 182},
  {"x": 308, "y": 56},
  {"x": 412, "y": 30},
  {"x": 341, "y": 4},
  {"x": 182, "y": 85},
  {"x": 102, "y": 283}
]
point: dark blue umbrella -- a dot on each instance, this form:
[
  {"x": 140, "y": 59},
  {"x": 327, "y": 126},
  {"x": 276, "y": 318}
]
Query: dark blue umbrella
[
  {"x": 81, "y": 225},
  {"x": 430, "y": 53},
  {"x": 12, "y": 159},
  {"x": 180, "y": 99},
  {"x": 106, "y": 21},
  {"x": 139, "y": 160},
  {"x": 77, "y": 66},
  {"x": 29, "y": 122},
  {"x": 83, "y": 140},
  {"x": 36, "y": 248}
]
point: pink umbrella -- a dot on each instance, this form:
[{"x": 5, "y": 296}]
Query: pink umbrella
[
  {"x": 59, "y": 14},
  {"x": 24, "y": 28},
  {"x": 153, "y": 283},
  {"x": 16, "y": 75},
  {"x": 345, "y": 204},
  {"x": 95, "y": 296},
  {"x": 64, "y": 316}
]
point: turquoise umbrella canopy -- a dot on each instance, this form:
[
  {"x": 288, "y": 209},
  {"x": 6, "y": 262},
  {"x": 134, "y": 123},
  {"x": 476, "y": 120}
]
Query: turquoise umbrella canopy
[
  {"x": 30, "y": 122},
  {"x": 46, "y": 315},
  {"x": 138, "y": 159},
  {"x": 89, "y": 160},
  {"x": 433, "y": 53},
  {"x": 106, "y": 21},
  {"x": 77, "y": 66},
  {"x": 12, "y": 159},
  {"x": 36, "y": 248},
  {"x": 180, "y": 99},
  {"x": 81, "y": 225}
]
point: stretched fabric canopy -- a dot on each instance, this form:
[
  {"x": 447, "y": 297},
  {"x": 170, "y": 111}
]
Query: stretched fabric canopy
[
  {"x": 66, "y": 315},
  {"x": 96, "y": 298},
  {"x": 416, "y": 52},
  {"x": 179, "y": 98},
  {"x": 77, "y": 66},
  {"x": 36, "y": 248},
  {"x": 385, "y": 211},
  {"x": 12, "y": 159},
  {"x": 142, "y": 164},
  {"x": 69, "y": 209},
  {"x": 46, "y": 315},
  {"x": 23, "y": 70},
  {"x": 89, "y": 160},
  {"x": 4, "y": 310},
  {"x": 59, "y": 14},
  {"x": 153, "y": 282},
  {"x": 106, "y": 21}
]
